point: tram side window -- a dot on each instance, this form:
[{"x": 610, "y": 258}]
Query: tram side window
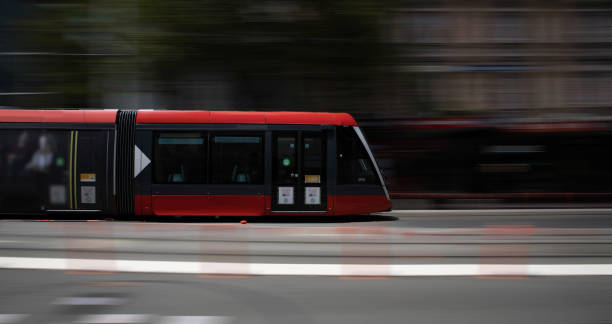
[
  {"x": 180, "y": 157},
  {"x": 237, "y": 159},
  {"x": 354, "y": 164}
]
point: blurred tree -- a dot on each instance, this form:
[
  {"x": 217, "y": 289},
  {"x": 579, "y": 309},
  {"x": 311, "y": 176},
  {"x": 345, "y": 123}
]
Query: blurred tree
[{"x": 280, "y": 54}]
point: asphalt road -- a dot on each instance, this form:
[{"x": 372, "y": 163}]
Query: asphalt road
[
  {"x": 557, "y": 218},
  {"x": 58, "y": 297},
  {"x": 421, "y": 267}
]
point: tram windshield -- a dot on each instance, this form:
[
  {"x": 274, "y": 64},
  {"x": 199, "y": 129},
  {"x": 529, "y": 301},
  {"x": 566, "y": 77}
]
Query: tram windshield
[{"x": 354, "y": 164}]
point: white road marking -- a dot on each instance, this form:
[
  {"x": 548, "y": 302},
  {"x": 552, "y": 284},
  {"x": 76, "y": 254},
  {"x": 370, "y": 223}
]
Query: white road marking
[
  {"x": 131, "y": 318},
  {"x": 11, "y": 318},
  {"x": 88, "y": 301},
  {"x": 279, "y": 269},
  {"x": 114, "y": 318},
  {"x": 195, "y": 320}
]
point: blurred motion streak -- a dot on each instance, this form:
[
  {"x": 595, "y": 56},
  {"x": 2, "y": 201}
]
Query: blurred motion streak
[
  {"x": 212, "y": 251},
  {"x": 486, "y": 101},
  {"x": 90, "y": 251},
  {"x": 362, "y": 252},
  {"x": 516, "y": 255}
]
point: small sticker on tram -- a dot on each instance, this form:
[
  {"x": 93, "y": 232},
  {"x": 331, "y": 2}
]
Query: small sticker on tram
[
  {"x": 57, "y": 194},
  {"x": 88, "y": 195},
  {"x": 313, "y": 196},
  {"x": 312, "y": 178},
  {"x": 285, "y": 195},
  {"x": 88, "y": 177}
]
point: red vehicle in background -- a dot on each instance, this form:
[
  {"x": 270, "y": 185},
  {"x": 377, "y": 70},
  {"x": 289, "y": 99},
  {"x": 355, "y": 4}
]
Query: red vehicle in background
[{"x": 493, "y": 159}]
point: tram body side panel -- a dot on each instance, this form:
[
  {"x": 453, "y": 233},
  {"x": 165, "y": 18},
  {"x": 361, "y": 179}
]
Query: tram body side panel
[
  {"x": 208, "y": 205},
  {"x": 357, "y": 205},
  {"x": 143, "y": 204},
  {"x": 54, "y": 168},
  {"x": 162, "y": 189},
  {"x": 354, "y": 202},
  {"x": 180, "y": 172}
]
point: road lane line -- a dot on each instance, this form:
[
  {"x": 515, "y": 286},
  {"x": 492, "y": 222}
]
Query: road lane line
[
  {"x": 195, "y": 320},
  {"x": 570, "y": 270},
  {"x": 89, "y": 301},
  {"x": 114, "y": 318},
  {"x": 550, "y": 211},
  {"x": 282, "y": 269},
  {"x": 11, "y": 318}
]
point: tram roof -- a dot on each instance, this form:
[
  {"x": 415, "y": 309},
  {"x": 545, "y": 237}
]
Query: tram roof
[
  {"x": 175, "y": 117},
  {"x": 57, "y": 116},
  {"x": 242, "y": 117}
]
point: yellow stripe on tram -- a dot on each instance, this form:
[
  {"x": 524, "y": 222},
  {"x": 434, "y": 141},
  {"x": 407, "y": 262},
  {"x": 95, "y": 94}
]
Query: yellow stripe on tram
[
  {"x": 70, "y": 169},
  {"x": 74, "y": 177}
]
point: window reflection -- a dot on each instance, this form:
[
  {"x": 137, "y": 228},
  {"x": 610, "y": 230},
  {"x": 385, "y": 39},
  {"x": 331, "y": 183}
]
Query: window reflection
[
  {"x": 354, "y": 165},
  {"x": 236, "y": 159},
  {"x": 180, "y": 158}
]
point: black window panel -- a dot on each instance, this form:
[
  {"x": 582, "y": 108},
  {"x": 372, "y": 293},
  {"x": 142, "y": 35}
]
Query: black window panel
[
  {"x": 33, "y": 169},
  {"x": 237, "y": 159},
  {"x": 180, "y": 157},
  {"x": 354, "y": 164},
  {"x": 286, "y": 159},
  {"x": 313, "y": 169}
]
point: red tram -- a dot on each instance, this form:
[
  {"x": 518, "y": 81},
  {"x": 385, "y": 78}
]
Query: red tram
[{"x": 186, "y": 163}]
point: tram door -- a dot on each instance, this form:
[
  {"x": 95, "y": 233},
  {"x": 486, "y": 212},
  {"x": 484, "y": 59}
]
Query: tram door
[
  {"x": 89, "y": 163},
  {"x": 299, "y": 172}
]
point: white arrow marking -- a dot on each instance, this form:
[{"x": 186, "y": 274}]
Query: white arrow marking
[{"x": 140, "y": 161}]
